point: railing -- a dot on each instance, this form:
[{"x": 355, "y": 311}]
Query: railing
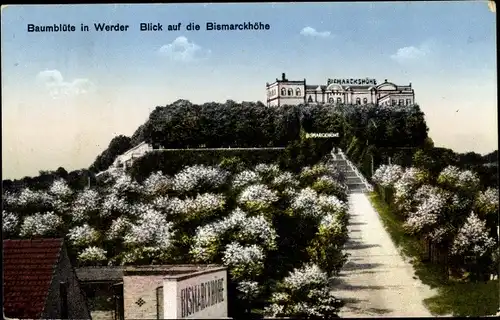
[{"x": 368, "y": 186}]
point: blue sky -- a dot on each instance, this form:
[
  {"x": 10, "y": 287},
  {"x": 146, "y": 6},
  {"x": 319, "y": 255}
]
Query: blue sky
[{"x": 65, "y": 95}]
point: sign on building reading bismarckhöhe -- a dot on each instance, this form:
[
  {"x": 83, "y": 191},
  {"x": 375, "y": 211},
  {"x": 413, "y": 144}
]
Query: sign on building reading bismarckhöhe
[
  {"x": 197, "y": 297},
  {"x": 200, "y": 295},
  {"x": 322, "y": 135},
  {"x": 366, "y": 81}
]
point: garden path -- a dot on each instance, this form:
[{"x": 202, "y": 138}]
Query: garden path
[{"x": 376, "y": 281}]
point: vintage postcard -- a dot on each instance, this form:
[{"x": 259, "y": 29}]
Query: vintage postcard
[{"x": 270, "y": 160}]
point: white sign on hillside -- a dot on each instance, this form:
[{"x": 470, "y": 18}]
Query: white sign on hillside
[{"x": 322, "y": 135}]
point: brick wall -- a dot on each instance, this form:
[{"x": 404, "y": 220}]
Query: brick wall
[{"x": 144, "y": 288}]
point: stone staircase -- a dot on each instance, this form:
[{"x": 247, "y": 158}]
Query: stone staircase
[{"x": 354, "y": 179}]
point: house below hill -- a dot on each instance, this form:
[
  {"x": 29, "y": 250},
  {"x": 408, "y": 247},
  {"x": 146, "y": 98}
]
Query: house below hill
[
  {"x": 155, "y": 291},
  {"x": 39, "y": 281}
]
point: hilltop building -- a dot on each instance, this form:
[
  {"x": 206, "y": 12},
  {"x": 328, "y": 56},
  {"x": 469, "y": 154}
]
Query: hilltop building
[
  {"x": 338, "y": 91},
  {"x": 126, "y": 159}
]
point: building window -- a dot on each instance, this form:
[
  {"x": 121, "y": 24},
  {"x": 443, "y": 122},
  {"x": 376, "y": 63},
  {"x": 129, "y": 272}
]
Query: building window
[
  {"x": 290, "y": 92},
  {"x": 401, "y": 102},
  {"x": 297, "y": 92},
  {"x": 408, "y": 102},
  {"x": 365, "y": 100},
  {"x": 358, "y": 100},
  {"x": 63, "y": 294},
  {"x": 330, "y": 100},
  {"x": 339, "y": 100},
  {"x": 310, "y": 99},
  {"x": 283, "y": 91},
  {"x": 393, "y": 102}
]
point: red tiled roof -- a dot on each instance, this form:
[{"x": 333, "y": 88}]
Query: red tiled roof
[{"x": 28, "y": 267}]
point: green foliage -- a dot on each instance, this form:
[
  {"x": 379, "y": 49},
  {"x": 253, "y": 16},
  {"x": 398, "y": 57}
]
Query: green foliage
[
  {"x": 170, "y": 162},
  {"x": 247, "y": 124},
  {"x": 330, "y": 187},
  {"x": 232, "y": 164},
  {"x": 326, "y": 249},
  {"x": 117, "y": 146}
]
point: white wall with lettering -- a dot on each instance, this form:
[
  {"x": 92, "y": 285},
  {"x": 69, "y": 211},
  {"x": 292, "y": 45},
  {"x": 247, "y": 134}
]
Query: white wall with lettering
[{"x": 201, "y": 295}]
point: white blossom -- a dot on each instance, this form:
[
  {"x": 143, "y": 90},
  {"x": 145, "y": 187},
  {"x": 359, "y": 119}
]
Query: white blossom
[
  {"x": 137, "y": 209},
  {"x": 290, "y": 192},
  {"x": 113, "y": 202},
  {"x": 151, "y": 229},
  {"x": 487, "y": 201},
  {"x": 449, "y": 175},
  {"x": 331, "y": 204},
  {"x": 243, "y": 227},
  {"x": 331, "y": 182},
  {"x": 60, "y": 189},
  {"x": 468, "y": 180},
  {"x": 305, "y": 276},
  {"x": 315, "y": 171},
  {"x": 133, "y": 255},
  {"x": 28, "y": 197},
  {"x": 387, "y": 175},
  {"x": 306, "y": 202},
  {"x": 409, "y": 180},
  {"x": 285, "y": 179},
  {"x": 40, "y": 224},
  {"x": 267, "y": 169},
  {"x": 427, "y": 213},
  {"x": 205, "y": 203},
  {"x": 259, "y": 229},
  {"x": 205, "y": 241},
  {"x": 439, "y": 233},
  {"x": 157, "y": 182},
  {"x": 459, "y": 203},
  {"x": 125, "y": 184},
  {"x": 472, "y": 237},
  {"x": 161, "y": 203},
  {"x": 331, "y": 221},
  {"x": 276, "y": 309},
  {"x": 199, "y": 175},
  {"x": 83, "y": 235},
  {"x": 85, "y": 203},
  {"x": 305, "y": 292},
  {"x": 10, "y": 221},
  {"x": 244, "y": 261},
  {"x": 245, "y": 178},
  {"x": 92, "y": 254},
  {"x": 118, "y": 228},
  {"x": 425, "y": 192},
  {"x": 9, "y": 198},
  {"x": 259, "y": 194},
  {"x": 452, "y": 176}
]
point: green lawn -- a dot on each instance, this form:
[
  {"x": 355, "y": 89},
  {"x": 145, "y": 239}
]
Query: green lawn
[{"x": 456, "y": 298}]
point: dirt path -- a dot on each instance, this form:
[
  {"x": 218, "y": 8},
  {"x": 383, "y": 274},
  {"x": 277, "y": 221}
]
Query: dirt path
[{"x": 376, "y": 281}]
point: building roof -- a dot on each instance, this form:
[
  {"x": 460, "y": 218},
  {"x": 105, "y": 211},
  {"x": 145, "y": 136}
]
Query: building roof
[
  {"x": 312, "y": 87},
  {"x": 28, "y": 268},
  {"x": 116, "y": 273}
]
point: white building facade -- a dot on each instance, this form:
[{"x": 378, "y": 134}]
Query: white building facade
[
  {"x": 126, "y": 159},
  {"x": 338, "y": 91}
]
